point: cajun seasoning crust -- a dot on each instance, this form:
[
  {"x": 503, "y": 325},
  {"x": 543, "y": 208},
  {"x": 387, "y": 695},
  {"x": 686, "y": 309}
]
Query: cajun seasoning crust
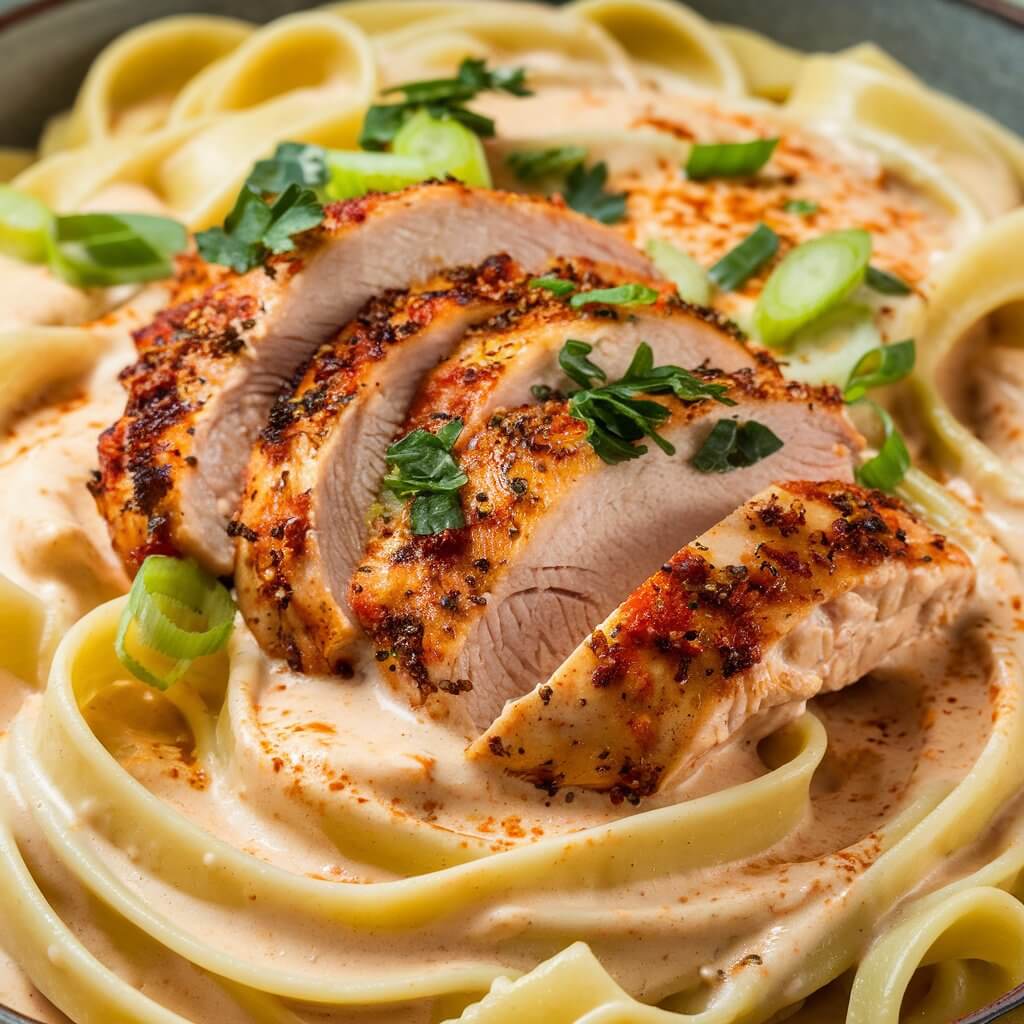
[
  {"x": 185, "y": 355},
  {"x": 463, "y": 384},
  {"x": 678, "y": 646},
  {"x": 418, "y": 596}
]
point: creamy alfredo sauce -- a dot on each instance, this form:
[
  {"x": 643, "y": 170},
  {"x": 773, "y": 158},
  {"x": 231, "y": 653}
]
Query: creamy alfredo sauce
[{"x": 340, "y": 781}]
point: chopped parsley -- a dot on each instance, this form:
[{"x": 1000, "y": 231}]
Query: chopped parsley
[
  {"x": 801, "y": 207},
  {"x": 615, "y": 418},
  {"x": 585, "y": 192},
  {"x": 422, "y": 468},
  {"x": 293, "y": 163},
  {"x": 255, "y": 227},
  {"x": 556, "y": 285},
  {"x": 886, "y": 283},
  {"x": 735, "y": 445},
  {"x": 530, "y": 165},
  {"x": 442, "y": 98}
]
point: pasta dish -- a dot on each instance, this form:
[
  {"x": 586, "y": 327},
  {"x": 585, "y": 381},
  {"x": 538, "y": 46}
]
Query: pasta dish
[{"x": 512, "y": 514}]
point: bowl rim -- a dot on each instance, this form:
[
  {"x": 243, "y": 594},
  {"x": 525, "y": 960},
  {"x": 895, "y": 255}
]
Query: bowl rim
[{"x": 1006, "y": 9}]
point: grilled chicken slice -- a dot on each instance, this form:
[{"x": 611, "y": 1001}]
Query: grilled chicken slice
[
  {"x": 302, "y": 519},
  {"x": 801, "y": 591},
  {"x": 555, "y": 537},
  {"x": 502, "y": 363},
  {"x": 171, "y": 468}
]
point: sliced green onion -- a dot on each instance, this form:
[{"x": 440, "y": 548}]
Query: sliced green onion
[
  {"x": 537, "y": 164},
  {"x": 556, "y": 285},
  {"x": 689, "y": 277},
  {"x": 801, "y": 207},
  {"x": 632, "y": 294},
  {"x": 729, "y": 159},
  {"x": 354, "y": 173},
  {"x": 879, "y": 367},
  {"x": 812, "y": 278},
  {"x": 733, "y": 445},
  {"x": 26, "y": 226},
  {"x": 444, "y": 146},
  {"x": 890, "y": 465},
  {"x": 100, "y": 249},
  {"x": 175, "y": 614},
  {"x": 827, "y": 350},
  {"x": 746, "y": 259},
  {"x": 886, "y": 283}
]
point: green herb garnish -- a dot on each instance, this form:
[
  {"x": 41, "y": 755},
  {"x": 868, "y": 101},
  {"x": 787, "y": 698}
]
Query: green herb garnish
[
  {"x": 89, "y": 249},
  {"x": 746, "y": 259},
  {"x": 879, "y": 367},
  {"x": 616, "y": 419},
  {"x": 537, "y": 164},
  {"x": 632, "y": 294},
  {"x": 293, "y": 163},
  {"x": 442, "y": 98},
  {"x": 801, "y": 207},
  {"x": 728, "y": 159},
  {"x": 255, "y": 228},
  {"x": 734, "y": 445},
  {"x": 586, "y": 194},
  {"x": 422, "y": 468},
  {"x": 556, "y": 285},
  {"x": 890, "y": 465},
  {"x": 886, "y": 283}
]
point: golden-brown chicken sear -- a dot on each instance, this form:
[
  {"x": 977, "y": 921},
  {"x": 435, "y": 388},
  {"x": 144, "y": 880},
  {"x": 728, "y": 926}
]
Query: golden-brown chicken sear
[
  {"x": 209, "y": 368},
  {"x": 317, "y": 468},
  {"x": 510, "y": 359},
  {"x": 801, "y": 591},
  {"x": 555, "y": 537}
]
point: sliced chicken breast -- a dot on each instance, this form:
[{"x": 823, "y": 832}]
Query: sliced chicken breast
[
  {"x": 801, "y": 591},
  {"x": 171, "y": 468},
  {"x": 555, "y": 537},
  {"x": 302, "y": 519},
  {"x": 503, "y": 363}
]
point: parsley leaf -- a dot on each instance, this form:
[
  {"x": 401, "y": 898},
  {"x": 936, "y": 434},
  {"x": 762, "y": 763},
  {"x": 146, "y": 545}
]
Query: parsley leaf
[
  {"x": 537, "y": 164},
  {"x": 585, "y": 193},
  {"x": 616, "y": 419},
  {"x": 886, "y": 283},
  {"x": 254, "y": 228},
  {"x": 632, "y": 294},
  {"x": 422, "y": 468},
  {"x": 556, "y": 285},
  {"x": 441, "y": 97},
  {"x": 734, "y": 445},
  {"x": 801, "y": 207},
  {"x": 293, "y": 163}
]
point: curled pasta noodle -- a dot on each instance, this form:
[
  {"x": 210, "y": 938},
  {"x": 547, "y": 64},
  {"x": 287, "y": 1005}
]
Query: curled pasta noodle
[
  {"x": 130, "y": 88},
  {"x": 974, "y": 941},
  {"x": 844, "y": 92},
  {"x": 666, "y": 41},
  {"x": 769, "y": 69},
  {"x": 22, "y": 624},
  {"x": 557, "y": 47}
]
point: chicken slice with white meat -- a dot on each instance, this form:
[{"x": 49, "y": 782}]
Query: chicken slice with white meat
[{"x": 801, "y": 591}]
